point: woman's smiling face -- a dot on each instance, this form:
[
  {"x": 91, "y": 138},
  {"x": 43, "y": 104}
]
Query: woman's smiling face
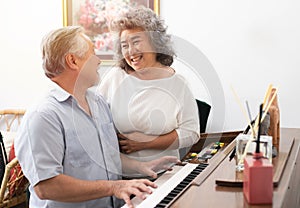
[{"x": 137, "y": 49}]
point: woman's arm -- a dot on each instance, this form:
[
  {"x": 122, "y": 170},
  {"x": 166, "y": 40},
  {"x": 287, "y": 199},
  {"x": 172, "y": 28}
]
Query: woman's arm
[
  {"x": 131, "y": 142},
  {"x": 187, "y": 133},
  {"x": 185, "y": 121}
]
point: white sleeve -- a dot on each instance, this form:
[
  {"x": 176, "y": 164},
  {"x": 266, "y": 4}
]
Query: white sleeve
[{"x": 188, "y": 120}]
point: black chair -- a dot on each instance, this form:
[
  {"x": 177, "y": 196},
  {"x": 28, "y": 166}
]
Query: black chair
[{"x": 203, "y": 113}]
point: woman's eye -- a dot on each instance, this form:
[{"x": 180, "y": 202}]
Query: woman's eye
[
  {"x": 124, "y": 46},
  {"x": 136, "y": 42}
]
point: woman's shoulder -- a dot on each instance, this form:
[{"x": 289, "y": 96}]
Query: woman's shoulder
[
  {"x": 179, "y": 78},
  {"x": 181, "y": 83}
]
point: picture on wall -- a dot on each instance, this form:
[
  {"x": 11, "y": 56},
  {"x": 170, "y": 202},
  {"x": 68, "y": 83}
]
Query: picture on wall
[{"x": 95, "y": 15}]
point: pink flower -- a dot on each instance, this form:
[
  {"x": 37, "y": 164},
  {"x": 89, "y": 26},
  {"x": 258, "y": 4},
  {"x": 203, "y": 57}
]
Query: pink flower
[
  {"x": 99, "y": 43},
  {"x": 95, "y": 15}
]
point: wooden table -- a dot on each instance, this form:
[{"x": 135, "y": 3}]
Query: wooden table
[{"x": 208, "y": 194}]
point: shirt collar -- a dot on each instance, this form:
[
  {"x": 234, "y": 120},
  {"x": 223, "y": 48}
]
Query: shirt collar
[{"x": 59, "y": 93}]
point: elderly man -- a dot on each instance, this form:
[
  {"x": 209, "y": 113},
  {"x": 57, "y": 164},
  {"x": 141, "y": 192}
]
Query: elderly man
[{"x": 67, "y": 144}]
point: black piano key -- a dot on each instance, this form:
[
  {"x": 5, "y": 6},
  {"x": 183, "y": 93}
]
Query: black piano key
[
  {"x": 159, "y": 206},
  {"x": 171, "y": 194},
  {"x": 178, "y": 189},
  {"x": 175, "y": 191},
  {"x": 168, "y": 198},
  {"x": 194, "y": 174},
  {"x": 189, "y": 178},
  {"x": 201, "y": 167},
  {"x": 181, "y": 186},
  {"x": 185, "y": 183},
  {"x": 165, "y": 201}
]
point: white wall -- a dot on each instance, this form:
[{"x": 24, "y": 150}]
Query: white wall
[
  {"x": 24, "y": 23},
  {"x": 248, "y": 44}
]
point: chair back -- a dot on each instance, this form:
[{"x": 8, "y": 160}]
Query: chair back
[
  {"x": 14, "y": 184},
  {"x": 203, "y": 113}
]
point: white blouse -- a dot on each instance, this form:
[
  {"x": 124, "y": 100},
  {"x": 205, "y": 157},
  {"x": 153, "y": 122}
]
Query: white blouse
[{"x": 152, "y": 107}]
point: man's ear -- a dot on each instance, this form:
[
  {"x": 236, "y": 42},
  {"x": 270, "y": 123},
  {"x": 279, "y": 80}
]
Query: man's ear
[{"x": 71, "y": 61}]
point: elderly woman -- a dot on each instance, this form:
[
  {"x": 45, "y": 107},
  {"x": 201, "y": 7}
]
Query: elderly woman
[{"x": 152, "y": 107}]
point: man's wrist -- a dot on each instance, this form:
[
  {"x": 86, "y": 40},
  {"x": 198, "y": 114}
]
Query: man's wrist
[{"x": 110, "y": 187}]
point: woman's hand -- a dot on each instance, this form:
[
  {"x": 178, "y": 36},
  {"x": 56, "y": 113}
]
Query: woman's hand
[
  {"x": 128, "y": 146},
  {"x": 134, "y": 141}
]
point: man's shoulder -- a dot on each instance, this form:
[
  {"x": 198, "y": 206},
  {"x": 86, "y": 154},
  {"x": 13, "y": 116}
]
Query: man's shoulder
[{"x": 44, "y": 105}]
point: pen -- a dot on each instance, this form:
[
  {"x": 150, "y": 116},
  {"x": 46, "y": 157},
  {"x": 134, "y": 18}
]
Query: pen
[{"x": 232, "y": 154}]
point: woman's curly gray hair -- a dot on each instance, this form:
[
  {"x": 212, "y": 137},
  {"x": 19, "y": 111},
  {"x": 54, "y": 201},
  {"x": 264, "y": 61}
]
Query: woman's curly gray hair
[{"x": 145, "y": 18}]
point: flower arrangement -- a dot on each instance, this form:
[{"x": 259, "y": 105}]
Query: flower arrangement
[{"x": 95, "y": 15}]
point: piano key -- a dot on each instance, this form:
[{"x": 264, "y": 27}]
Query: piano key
[
  {"x": 185, "y": 183},
  {"x": 177, "y": 175},
  {"x": 170, "y": 185},
  {"x": 179, "y": 188}
]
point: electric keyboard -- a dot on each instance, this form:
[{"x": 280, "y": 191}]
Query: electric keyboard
[{"x": 170, "y": 185}]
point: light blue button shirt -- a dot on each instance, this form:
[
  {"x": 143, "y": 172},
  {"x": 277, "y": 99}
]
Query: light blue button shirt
[{"x": 58, "y": 137}]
